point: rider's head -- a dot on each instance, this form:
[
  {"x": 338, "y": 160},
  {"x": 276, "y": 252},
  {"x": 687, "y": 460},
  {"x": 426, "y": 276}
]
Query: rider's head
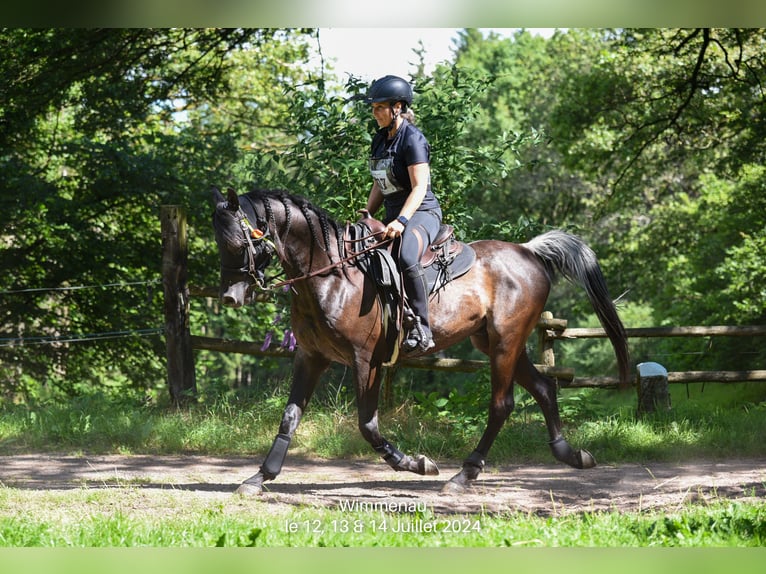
[{"x": 390, "y": 96}]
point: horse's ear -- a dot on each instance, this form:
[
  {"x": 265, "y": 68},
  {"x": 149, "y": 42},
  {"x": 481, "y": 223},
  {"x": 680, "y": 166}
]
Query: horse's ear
[
  {"x": 218, "y": 197},
  {"x": 231, "y": 197}
]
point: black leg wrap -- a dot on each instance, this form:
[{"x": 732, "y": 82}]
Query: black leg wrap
[
  {"x": 562, "y": 451},
  {"x": 475, "y": 459},
  {"x": 390, "y": 454},
  {"x": 272, "y": 466}
]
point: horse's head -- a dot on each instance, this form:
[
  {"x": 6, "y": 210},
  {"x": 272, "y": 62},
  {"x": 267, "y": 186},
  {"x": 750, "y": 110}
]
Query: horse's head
[{"x": 244, "y": 249}]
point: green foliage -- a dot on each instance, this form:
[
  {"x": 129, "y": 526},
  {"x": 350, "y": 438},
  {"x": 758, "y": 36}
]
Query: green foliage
[
  {"x": 595, "y": 357},
  {"x": 648, "y": 143},
  {"x": 323, "y": 153},
  {"x": 92, "y": 143},
  {"x": 328, "y": 137}
]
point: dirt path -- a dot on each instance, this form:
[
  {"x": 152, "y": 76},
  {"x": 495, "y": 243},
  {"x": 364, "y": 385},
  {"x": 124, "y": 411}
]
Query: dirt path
[{"x": 540, "y": 489}]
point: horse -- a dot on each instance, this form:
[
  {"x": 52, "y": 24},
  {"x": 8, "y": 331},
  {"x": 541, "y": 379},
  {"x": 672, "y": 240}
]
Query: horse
[{"x": 337, "y": 317}]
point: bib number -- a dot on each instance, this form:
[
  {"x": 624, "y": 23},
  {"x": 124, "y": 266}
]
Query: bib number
[{"x": 380, "y": 170}]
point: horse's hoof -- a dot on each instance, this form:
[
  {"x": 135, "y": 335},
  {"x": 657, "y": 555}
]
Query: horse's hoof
[
  {"x": 458, "y": 484},
  {"x": 451, "y": 487},
  {"x": 586, "y": 459},
  {"x": 246, "y": 489},
  {"x": 427, "y": 467}
]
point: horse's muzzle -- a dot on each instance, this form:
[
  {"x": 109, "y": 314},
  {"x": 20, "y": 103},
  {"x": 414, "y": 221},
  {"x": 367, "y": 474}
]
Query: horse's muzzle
[{"x": 235, "y": 295}]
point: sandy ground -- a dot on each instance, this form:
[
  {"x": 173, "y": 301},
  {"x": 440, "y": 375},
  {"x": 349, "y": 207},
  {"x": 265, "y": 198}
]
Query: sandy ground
[{"x": 549, "y": 489}]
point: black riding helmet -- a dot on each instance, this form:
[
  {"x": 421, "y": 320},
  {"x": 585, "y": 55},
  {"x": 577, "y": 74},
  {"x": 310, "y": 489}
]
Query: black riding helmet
[{"x": 389, "y": 89}]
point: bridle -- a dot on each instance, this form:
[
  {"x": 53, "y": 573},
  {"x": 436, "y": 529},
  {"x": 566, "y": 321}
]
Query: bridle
[{"x": 253, "y": 237}]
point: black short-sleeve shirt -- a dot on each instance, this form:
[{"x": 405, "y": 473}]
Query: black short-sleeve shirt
[{"x": 408, "y": 147}]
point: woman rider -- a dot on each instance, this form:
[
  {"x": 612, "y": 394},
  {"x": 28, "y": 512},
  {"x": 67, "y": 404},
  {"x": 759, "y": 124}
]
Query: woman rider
[{"x": 399, "y": 165}]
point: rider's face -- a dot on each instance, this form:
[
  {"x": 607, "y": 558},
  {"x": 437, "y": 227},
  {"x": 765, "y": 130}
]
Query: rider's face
[{"x": 383, "y": 114}]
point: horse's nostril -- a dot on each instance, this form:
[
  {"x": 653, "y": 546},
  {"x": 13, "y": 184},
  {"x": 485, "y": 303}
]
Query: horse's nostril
[{"x": 229, "y": 301}]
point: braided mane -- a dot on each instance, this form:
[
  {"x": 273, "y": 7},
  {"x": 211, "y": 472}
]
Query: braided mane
[{"x": 311, "y": 213}]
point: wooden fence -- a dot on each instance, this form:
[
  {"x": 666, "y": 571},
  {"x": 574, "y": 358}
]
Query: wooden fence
[{"x": 180, "y": 342}]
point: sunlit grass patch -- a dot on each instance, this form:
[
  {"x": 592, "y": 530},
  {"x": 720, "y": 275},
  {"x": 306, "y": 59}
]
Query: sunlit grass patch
[{"x": 113, "y": 517}]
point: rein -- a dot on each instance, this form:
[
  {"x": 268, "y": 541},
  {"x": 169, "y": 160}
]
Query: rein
[
  {"x": 253, "y": 234},
  {"x": 335, "y": 265}
]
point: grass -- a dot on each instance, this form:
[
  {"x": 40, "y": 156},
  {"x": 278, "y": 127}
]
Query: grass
[
  {"x": 164, "y": 518},
  {"x": 724, "y": 423}
]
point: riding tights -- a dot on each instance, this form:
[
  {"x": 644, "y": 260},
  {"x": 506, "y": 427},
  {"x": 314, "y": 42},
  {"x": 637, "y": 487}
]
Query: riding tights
[{"x": 420, "y": 230}]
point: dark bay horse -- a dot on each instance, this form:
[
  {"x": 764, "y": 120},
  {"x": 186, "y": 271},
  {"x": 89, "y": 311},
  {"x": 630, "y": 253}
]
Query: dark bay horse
[{"x": 336, "y": 318}]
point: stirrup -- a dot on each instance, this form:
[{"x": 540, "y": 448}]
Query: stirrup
[{"x": 419, "y": 338}]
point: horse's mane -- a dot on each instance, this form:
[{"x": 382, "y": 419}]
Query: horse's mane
[{"x": 311, "y": 213}]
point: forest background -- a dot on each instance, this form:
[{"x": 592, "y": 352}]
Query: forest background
[{"x": 648, "y": 143}]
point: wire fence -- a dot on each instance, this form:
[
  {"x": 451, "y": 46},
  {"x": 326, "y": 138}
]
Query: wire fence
[
  {"x": 24, "y": 341},
  {"x": 78, "y": 287},
  {"x": 69, "y": 338}
]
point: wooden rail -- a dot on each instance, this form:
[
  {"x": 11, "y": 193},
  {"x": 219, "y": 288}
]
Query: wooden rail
[
  {"x": 547, "y": 334},
  {"x": 425, "y": 363},
  {"x": 682, "y": 377},
  {"x": 714, "y": 331}
]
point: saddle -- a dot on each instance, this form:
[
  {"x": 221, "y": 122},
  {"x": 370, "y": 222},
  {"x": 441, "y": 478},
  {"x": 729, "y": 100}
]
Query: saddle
[{"x": 444, "y": 259}]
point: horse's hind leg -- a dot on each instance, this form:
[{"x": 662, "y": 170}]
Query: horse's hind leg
[
  {"x": 368, "y": 387},
  {"x": 543, "y": 390},
  {"x": 306, "y": 372}
]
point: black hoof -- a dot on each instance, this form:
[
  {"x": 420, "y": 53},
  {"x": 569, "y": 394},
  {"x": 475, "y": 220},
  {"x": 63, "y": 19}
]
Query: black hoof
[
  {"x": 459, "y": 483},
  {"x": 451, "y": 487},
  {"x": 574, "y": 458},
  {"x": 253, "y": 486}
]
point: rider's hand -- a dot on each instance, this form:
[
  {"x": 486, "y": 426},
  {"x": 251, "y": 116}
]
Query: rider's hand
[{"x": 394, "y": 229}]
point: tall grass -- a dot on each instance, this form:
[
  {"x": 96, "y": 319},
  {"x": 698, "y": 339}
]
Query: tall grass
[{"x": 723, "y": 421}]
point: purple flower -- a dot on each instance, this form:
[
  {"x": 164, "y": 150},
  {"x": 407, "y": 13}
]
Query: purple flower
[
  {"x": 288, "y": 341},
  {"x": 267, "y": 341}
]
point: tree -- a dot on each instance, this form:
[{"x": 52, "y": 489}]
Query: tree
[
  {"x": 669, "y": 126},
  {"x": 524, "y": 72},
  {"x": 90, "y": 146}
]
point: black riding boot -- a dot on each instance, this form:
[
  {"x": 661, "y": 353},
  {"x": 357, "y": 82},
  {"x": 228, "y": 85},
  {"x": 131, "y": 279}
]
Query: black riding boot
[{"x": 418, "y": 337}]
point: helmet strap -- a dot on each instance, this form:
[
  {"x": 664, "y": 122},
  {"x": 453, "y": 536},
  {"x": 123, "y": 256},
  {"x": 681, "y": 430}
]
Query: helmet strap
[{"x": 395, "y": 116}]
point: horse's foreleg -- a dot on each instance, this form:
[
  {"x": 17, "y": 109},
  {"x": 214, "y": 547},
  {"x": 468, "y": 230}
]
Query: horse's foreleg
[
  {"x": 500, "y": 408},
  {"x": 499, "y": 412},
  {"x": 306, "y": 372},
  {"x": 368, "y": 387},
  {"x": 543, "y": 390}
]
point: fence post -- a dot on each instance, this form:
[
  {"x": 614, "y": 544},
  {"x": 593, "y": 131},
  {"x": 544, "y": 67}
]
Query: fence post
[
  {"x": 388, "y": 386},
  {"x": 545, "y": 343},
  {"x": 175, "y": 253},
  {"x": 652, "y": 387}
]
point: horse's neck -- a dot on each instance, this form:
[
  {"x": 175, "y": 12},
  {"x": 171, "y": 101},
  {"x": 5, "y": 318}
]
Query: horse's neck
[{"x": 303, "y": 253}]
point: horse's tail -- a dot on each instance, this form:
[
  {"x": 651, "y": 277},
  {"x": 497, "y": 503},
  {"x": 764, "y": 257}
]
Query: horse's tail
[{"x": 577, "y": 262}]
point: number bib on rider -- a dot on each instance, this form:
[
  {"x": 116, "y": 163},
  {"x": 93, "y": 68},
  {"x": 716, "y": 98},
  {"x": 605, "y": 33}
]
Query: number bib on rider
[{"x": 382, "y": 173}]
